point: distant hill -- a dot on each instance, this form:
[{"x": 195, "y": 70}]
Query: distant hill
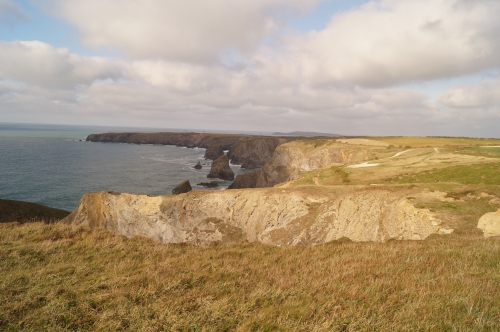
[
  {"x": 306, "y": 134},
  {"x": 25, "y": 212}
]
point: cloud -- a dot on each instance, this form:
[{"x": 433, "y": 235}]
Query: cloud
[
  {"x": 11, "y": 14},
  {"x": 485, "y": 94},
  {"x": 389, "y": 42},
  {"x": 38, "y": 63},
  {"x": 190, "y": 30}
]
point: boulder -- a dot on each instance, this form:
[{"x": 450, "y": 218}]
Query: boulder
[
  {"x": 214, "y": 151},
  {"x": 197, "y": 166},
  {"x": 220, "y": 169},
  {"x": 182, "y": 188},
  {"x": 490, "y": 224}
]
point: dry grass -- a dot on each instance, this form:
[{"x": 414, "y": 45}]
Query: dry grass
[
  {"x": 413, "y": 142},
  {"x": 55, "y": 277}
]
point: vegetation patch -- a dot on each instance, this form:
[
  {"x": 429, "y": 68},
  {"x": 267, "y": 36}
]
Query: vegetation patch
[
  {"x": 487, "y": 173},
  {"x": 56, "y": 277}
]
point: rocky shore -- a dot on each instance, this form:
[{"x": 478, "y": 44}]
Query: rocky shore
[{"x": 246, "y": 150}]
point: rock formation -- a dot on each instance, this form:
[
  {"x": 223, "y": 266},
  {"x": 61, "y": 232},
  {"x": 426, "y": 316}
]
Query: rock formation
[
  {"x": 246, "y": 180},
  {"x": 290, "y": 160},
  {"x": 490, "y": 224},
  {"x": 253, "y": 152},
  {"x": 213, "y": 152},
  {"x": 246, "y": 150},
  {"x": 182, "y": 188},
  {"x": 269, "y": 216},
  {"x": 220, "y": 169},
  {"x": 197, "y": 166}
]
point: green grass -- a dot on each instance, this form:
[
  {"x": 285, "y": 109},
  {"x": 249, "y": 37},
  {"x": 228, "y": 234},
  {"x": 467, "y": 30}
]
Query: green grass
[
  {"x": 57, "y": 278},
  {"x": 487, "y": 173}
]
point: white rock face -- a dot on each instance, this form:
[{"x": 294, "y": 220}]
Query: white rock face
[
  {"x": 268, "y": 216},
  {"x": 490, "y": 224}
]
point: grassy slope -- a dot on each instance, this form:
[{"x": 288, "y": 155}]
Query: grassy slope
[
  {"x": 54, "y": 277},
  {"x": 11, "y": 210}
]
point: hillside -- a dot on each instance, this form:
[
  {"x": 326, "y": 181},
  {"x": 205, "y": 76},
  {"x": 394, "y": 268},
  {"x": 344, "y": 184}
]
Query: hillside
[{"x": 356, "y": 234}]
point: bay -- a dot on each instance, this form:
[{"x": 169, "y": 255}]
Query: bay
[{"x": 54, "y": 165}]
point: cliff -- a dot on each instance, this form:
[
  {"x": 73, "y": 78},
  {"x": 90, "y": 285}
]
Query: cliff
[
  {"x": 271, "y": 216},
  {"x": 253, "y": 152},
  {"x": 290, "y": 160},
  {"x": 245, "y": 150}
]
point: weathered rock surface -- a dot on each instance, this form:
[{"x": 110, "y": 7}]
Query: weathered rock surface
[
  {"x": 490, "y": 224},
  {"x": 197, "y": 166},
  {"x": 220, "y": 169},
  {"x": 246, "y": 180},
  {"x": 213, "y": 152},
  {"x": 265, "y": 215},
  {"x": 291, "y": 160},
  {"x": 253, "y": 152},
  {"x": 249, "y": 151},
  {"x": 182, "y": 188}
]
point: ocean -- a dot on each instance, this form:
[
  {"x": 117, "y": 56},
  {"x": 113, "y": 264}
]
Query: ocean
[{"x": 53, "y": 165}]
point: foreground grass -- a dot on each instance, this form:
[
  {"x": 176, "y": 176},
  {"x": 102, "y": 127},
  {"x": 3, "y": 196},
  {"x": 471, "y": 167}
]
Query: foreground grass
[{"x": 55, "y": 277}]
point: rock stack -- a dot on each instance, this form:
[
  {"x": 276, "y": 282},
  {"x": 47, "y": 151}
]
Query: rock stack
[{"x": 220, "y": 169}]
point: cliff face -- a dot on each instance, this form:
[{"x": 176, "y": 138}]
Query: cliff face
[
  {"x": 255, "y": 151},
  {"x": 290, "y": 160},
  {"x": 247, "y": 151},
  {"x": 265, "y": 215}
]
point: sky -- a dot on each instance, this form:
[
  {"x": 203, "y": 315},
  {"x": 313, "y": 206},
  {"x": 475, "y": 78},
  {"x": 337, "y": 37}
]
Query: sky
[{"x": 386, "y": 67}]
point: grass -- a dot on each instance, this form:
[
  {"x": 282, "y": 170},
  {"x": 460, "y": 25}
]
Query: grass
[
  {"x": 55, "y": 277},
  {"x": 20, "y": 211},
  {"x": 416, "y": 142},
  {"x": 487, "y": 173}
]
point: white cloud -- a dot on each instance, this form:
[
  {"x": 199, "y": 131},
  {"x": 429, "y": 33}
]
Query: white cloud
[
  {"x": 485, "y": 94},
  {"x": 189, "y": 30},
  {"x": 391, "y": 41},
  {"x": 10, "y": 13},
  {"x": 38, "y": 63}
]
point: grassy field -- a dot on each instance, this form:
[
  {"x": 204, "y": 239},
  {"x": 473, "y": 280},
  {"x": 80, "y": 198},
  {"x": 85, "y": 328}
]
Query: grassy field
[
  {"x": 58, "y": 278},
  {"x": 416, "y": 142}
]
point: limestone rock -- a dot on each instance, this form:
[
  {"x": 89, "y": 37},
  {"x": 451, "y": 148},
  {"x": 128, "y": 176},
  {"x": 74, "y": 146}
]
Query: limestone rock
[
  {"x": 489, "y": 223},
  {"x": 214, "y": 151},
  {"x": 220, "y": 169},
  {"x": 182, "y": 188},
  {"x": 197, "y": 166},
  {"x": 265, "y": 215}
]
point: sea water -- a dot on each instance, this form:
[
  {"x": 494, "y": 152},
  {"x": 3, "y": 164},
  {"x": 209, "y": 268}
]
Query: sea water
[{"x": 55, "y": 166}]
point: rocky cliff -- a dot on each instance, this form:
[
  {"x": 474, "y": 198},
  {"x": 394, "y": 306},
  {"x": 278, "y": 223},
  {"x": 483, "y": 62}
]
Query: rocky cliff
[
  {"x": 290, "y": 160},
  {"x": 245, "y": 150},
  {"x": 270, "y": 216},
  {"x": 253, "y": 152}
]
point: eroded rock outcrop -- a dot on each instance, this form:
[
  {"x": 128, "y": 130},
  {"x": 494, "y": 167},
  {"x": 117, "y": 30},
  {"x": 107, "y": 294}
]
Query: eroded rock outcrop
[
  {"x": 213, "y": 152},
  {"x": 269, "y": 216},
  {"x": 220, "y": 169},
  {"x": 253, "y": 152},
  {"x": 490, "y": 224},
  {"x": 182, "y": 188},
  {"x": 197, "y": 166},
  {"x": 291, "y": 160}
]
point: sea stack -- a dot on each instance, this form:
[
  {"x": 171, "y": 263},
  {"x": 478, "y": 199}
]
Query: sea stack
[
  {"x": 214, "y": 151},
  {"x": 197, "y": 166},
  {"x": 182, "y": 188},
  {"x": 220, "y": 169}
]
